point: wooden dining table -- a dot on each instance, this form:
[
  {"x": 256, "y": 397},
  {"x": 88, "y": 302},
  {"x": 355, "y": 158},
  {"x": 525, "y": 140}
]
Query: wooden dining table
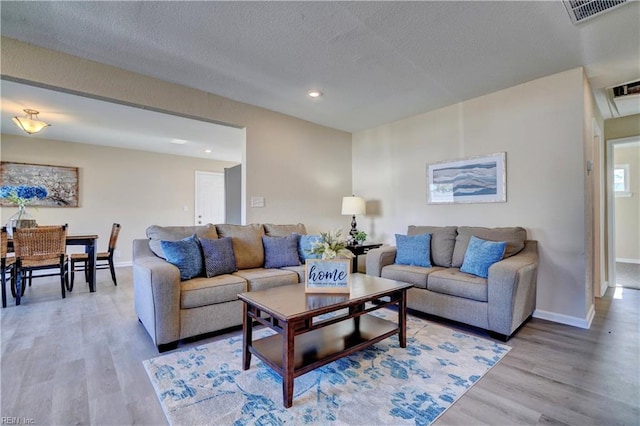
[{"x": 89, "y": 242}]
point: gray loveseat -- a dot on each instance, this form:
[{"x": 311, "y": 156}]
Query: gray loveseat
[
  {"x": 171, "y": 309},
  {"x": 500, "y": 303}
]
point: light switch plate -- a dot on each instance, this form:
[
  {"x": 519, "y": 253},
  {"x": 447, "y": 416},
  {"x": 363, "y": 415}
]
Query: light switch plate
[{"x": 257, "y": 201}]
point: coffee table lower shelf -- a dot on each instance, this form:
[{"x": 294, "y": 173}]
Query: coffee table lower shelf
[{"x": 318, "y": 347}]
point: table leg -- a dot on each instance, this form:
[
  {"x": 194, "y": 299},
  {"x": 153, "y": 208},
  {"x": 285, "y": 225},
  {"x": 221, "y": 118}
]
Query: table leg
[
  {"x": 247, "y": 329},
  {"x": 91, "y": 254},
  {"x": 288, "y": 342},
  {"x": 402, "y": 319}
]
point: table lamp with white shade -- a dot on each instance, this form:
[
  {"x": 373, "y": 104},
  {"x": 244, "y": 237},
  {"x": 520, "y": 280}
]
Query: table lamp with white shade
[{"x": 352, "y": 206}]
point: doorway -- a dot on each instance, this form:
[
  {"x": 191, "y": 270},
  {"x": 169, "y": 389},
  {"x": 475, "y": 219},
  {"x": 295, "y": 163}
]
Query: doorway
[
  {"x": 623, "y": 206},
  {"x": 210, "y": 198}
]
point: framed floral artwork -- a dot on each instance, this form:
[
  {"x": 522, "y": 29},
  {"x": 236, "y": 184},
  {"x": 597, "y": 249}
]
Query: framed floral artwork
[{"x": 60, "y": 182}]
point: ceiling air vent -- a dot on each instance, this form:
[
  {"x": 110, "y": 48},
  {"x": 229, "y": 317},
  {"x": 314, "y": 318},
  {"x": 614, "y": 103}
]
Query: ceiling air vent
[
  {"x": 582, "y": 10},
  {"x": 626, "y": 98}
]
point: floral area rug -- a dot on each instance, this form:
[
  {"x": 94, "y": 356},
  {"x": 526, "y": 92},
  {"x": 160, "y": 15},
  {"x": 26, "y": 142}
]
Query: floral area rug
[{"x": 385, "y": 384}]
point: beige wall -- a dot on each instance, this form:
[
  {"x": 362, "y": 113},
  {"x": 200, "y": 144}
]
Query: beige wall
[
  {"x": 301, "y": 169},
  {"x": 628, "y": 208},
  {"x": 623, "y": 127},
  {"x": 540, "y": 126},
  {"x": 133, "y": 188}
]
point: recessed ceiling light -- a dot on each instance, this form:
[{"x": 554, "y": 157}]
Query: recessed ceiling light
[
  {"x": 208, "y": 151},
  {"x": 178, "y": 141},
  {"x": 314, "y": 93}
]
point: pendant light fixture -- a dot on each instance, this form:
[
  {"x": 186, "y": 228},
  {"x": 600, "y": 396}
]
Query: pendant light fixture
[{"x": 30, "y": 123}]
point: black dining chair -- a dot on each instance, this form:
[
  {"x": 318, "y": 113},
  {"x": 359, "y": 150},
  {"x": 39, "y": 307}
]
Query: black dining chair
[
  {"x": 104, "y": 260},
  {"x": 36, "y": 249},
  {"x": 7, "y": 264}
]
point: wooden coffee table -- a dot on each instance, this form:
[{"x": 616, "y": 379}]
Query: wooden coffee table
[{"x": 304, "y": 342}]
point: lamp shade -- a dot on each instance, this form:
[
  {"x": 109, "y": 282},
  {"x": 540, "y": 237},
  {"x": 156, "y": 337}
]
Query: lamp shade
[{"x": 353, "y": 205}]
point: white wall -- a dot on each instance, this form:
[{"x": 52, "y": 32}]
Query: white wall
[
  {"x": 301, "y": 169},
  {"x": 539, "y": 125}
]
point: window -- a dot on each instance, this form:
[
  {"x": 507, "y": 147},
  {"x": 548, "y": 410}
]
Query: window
[{"x": 621, "y": 180}]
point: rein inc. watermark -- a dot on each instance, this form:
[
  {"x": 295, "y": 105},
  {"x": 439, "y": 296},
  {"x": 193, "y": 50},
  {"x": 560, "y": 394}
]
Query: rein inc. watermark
[{"x": 6, "y": 420}]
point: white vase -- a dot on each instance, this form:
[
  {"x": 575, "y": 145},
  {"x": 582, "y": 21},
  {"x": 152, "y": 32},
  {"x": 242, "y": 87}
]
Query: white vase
[{"x": 21, "y": 219}]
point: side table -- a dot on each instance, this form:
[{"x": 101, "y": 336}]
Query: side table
[{"x": 358, "y": 250}]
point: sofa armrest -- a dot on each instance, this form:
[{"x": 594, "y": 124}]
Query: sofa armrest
[
  {"x": 156, "y": 285},
  {"x": 379, "y": 258},
  {"x": 512, "y": 290}
]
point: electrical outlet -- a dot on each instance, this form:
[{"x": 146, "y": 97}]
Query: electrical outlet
[{"x": 118, "y": 253}]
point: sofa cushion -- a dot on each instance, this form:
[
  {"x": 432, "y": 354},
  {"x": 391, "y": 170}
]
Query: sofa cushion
[
  {"x": 284, "y": 230},
  {"x": 281, "y": 251},
  {"x": 443, "y": 239},
  {"x": 416, "y": 275},
  {"x": 304, "y": 246},
  {"x": 514, "y": 236},
  {"x": 209, "y": 291},
  {"x": 480, "y": 255},
  {"x": 157, "y": 233},
  {"x": 261, "y": 279},
  {"x": 300, "y": 270},
  {"x": 413, "y": 250},
  {"x": 455, "y": 283},
  {"x": 247, "y": 244},
  {"x": 218, "y": 256},
  {"x": 186, "y": 255}
]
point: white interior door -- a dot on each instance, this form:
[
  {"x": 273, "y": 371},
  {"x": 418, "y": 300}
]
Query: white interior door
[{"x": 209, "y": 198}]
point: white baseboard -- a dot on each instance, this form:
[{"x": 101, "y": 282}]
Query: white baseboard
[
  {"x": 566, "y": 319},
  {"x": 625, "y": 260},
  {"x": 123, "y": 264}
]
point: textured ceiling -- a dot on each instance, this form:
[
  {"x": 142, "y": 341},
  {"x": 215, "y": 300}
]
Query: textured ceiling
[{"x": 375, "y": 62}]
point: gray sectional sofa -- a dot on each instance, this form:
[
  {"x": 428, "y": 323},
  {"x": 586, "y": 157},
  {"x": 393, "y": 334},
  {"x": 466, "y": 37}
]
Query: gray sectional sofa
[
  {"x": 500, "y": 303},
  {"x": 171, "y": 309}
]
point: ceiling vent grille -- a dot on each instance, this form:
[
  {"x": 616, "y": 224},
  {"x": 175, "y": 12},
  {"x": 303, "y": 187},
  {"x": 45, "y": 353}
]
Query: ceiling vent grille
[{"x": 582, "y": 10}]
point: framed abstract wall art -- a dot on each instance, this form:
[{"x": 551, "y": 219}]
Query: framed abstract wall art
[
  {"x": 470, "y": 180},
  {"x": 60, "y": 182}
]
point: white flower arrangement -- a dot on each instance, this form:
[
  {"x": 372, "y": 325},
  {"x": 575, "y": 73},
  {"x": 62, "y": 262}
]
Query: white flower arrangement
[{"x": 331, "y": 246}]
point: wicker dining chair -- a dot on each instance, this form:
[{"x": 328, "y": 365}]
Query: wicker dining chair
[
  {"x": 37, "y": 249},
  {"x": 104, "y": 260},
  {"x": 6, "y": 265}
]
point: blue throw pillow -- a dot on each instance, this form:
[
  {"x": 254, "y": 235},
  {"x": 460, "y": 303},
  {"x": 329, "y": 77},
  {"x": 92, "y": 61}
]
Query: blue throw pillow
[
  {"x": 218, "y": 254},
  {"x": 280, "y": 251},
  {"x": 305, "y": 244},
  {"x": 413, "y": 250},
  {"x": 480, "y": 255},
  {"x": 185, "y": 254}
]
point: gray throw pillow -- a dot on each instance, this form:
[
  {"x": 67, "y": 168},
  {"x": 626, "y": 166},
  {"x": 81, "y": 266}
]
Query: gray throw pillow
[
  {"x": 218, "y": 256},
  {"x": 281, "y": 251}
]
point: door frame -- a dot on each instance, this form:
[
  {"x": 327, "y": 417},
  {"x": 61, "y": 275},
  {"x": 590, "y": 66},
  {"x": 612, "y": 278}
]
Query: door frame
[{"x": 611, "y": 207}]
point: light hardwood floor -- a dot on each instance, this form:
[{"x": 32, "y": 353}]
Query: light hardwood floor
[{"x": 79, "y": 361}]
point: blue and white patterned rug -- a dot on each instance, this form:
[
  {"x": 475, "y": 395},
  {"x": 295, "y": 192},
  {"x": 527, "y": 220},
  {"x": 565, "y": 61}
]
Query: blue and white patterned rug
[{"x": 384, "y": 384}]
